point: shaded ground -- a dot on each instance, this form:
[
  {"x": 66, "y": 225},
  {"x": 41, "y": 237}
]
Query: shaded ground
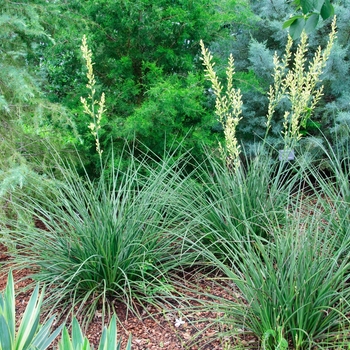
[{"x": 160, "y": 330}]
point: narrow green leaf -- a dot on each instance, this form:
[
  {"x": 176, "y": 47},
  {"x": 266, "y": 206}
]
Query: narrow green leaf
[
  {"x": 65, "y": 342},
  {"x": 103, "y": 340},
  {"x": 77, "y": 335},
  {"x": 9, "y": 305},
  {"x": 86, "y": 345},
  {"x": 30, "y": 321},
  {"x": 112, "y": 334},
  {"x": 43, "y": 338},
  {"x": 109, "y": 336},
  {"x": 5, "y": 338},
  {"x": 128, "y": 345}
]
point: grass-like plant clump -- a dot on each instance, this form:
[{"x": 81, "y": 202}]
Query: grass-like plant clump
[
  {"x": 235, "y": 203},
  {"x": 333, "y": 189},
  {"x": 295, "y": 286},
  {"x": 111, "y": 238}
]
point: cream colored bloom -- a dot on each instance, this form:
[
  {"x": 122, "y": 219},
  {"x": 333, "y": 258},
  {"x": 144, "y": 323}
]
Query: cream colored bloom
[
  {"x": 228, "y": 106},
  {"x": 299, "y": 85},
  {"x": 89, "y": 104}
]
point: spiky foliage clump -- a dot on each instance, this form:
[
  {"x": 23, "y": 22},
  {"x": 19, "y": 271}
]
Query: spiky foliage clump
[{"x": 97, "y": 241}]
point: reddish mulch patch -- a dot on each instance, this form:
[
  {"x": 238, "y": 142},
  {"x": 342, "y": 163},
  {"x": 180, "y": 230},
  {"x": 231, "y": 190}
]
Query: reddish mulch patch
[{"x": 156, "y": 329}]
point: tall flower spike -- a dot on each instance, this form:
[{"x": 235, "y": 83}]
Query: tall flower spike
[
  {"x": 90, "y": 103},
  {"x": 228, "y": 107},
  {"x": 298, "y": 85}
]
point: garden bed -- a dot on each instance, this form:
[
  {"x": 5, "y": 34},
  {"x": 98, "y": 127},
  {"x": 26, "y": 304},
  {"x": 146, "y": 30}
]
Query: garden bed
[{"x": 156, "y": 329}]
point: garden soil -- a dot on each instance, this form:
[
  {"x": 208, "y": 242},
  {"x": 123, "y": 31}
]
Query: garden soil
[{"x": 154, "y": 329}]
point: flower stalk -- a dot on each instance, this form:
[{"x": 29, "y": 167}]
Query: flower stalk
[
  {"x": 228, "y": 106},
  {"x": 92, "y": 107},
  {"x": 298, "y": 85}
]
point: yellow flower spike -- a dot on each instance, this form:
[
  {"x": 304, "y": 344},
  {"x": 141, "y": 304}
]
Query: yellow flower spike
[
  {"x": 89, "y": 107},
  {"x": 228, "y": 106}
]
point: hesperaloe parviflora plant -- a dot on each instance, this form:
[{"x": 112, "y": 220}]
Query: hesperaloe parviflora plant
[{"x": 295, "y": 286}]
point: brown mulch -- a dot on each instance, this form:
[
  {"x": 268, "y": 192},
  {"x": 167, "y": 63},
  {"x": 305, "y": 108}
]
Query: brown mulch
[{"x": 156, "y": 329}]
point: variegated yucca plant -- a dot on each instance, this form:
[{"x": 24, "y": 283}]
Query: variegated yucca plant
[
  {"x": 79, "y": 342},
  {"x": 30, "y": 333},
  {"x": 33, "y": 335}
]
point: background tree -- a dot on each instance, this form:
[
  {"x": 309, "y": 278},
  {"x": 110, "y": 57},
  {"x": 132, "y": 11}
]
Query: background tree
[
  {"x": 146, "y": 57},
  {"x": 27, "y": 117},
  {"x": 25, "y": 112}
]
